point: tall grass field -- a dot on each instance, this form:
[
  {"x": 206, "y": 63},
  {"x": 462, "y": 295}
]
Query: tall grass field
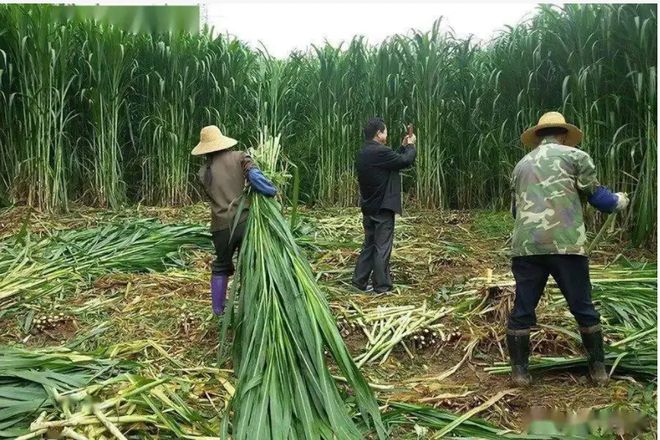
[{"x": 93, "y": 114}]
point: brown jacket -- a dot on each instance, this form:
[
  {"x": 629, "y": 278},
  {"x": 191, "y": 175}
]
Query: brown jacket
[{"x": 224, "y": 178}]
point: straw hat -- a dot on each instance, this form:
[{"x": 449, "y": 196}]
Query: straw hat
[
  {"x": 552, "y": 119},
  {"x": 211, "y": 140}
]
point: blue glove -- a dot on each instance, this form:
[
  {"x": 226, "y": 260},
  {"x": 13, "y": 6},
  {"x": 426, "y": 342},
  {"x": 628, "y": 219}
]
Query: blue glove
[
  {"x": 260, "y": 183},
  {"x": 603, "y": 200}
]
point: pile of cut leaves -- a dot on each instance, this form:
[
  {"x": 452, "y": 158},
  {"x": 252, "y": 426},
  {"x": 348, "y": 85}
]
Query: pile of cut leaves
[
  {"x": 34, "y": 266},
  {"x": 64, "y": 394}
]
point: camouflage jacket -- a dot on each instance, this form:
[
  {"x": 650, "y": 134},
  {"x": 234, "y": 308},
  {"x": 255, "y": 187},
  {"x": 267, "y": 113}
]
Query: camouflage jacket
[{"x": 549, "y": 185}]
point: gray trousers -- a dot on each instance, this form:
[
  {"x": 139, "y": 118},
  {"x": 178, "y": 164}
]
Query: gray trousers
[{"x": 374, "y": 260}]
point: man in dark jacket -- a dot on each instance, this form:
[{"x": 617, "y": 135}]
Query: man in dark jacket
[{"x": 380, "y": 199}]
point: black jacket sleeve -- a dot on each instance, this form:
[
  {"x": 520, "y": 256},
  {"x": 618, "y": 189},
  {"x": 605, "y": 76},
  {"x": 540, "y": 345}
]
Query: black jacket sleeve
[{"x": 394, "y": 161}]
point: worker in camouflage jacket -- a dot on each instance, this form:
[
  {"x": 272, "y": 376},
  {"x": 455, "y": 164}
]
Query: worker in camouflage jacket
[{"x": 549, "y": 186}]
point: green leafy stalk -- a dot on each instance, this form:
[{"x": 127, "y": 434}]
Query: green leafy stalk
[{"x": 282, "y": 325}]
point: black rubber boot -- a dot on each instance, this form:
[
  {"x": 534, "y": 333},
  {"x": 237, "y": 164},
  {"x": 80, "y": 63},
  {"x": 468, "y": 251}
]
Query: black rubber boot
[
  {"x": 592, "y": 338},
  {"x": 518, "y": 343}
]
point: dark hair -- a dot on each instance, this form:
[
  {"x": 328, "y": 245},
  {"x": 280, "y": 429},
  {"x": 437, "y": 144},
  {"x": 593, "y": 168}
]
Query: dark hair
[
  {"x": 550, "y": 131},
  {"x": 374, "y": 125}
]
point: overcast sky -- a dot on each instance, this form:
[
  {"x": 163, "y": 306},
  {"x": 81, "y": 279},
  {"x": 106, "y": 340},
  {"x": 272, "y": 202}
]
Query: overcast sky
[{"x": 283, "y": 27}]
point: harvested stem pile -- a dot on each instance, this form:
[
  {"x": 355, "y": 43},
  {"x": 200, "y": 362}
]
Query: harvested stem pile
[
  {"x": 386, "y": 327},
  {"x": 401, "y": 414},
  {"x": 29, "y": 381},
  {"x": 85, "y": 396},
  {"x": 284, "y": 388},
  {"x": 61, "y": 262},
  {"x": 129, "y": 403}
]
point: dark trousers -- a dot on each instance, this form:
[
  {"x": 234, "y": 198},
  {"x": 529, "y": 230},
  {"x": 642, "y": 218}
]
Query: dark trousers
[
  {"x": 225, "y": 244},
  {"x": 571, "y": 272},
  {"x": 374, "y": 260}
]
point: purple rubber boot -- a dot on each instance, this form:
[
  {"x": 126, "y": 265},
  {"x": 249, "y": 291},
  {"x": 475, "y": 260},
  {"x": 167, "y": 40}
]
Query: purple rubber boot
[{"x": 218, "y": 293}]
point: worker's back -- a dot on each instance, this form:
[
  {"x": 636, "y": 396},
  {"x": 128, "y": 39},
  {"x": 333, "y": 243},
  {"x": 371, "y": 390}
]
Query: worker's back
[
  {"x": 380, "y": 187},
  {"x": 547, "y": 185},
  {"x": 225, "y": 187}
]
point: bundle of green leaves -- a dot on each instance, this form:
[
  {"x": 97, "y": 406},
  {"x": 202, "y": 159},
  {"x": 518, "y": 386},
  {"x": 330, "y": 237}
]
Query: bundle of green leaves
[{"x": 282, "y": 326}]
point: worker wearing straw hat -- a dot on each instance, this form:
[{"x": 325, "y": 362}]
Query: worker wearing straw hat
[
  {"x": 224, "y": 177},
  {"x": 549, "y": 237}
]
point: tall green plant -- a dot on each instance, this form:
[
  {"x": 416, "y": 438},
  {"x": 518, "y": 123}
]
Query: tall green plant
[
  {"x": 38, "y": 52},
  {"x": 284, "y": 388},
  {"x": 107, "y": 76},
  {"x": 118, "y": 123}
]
